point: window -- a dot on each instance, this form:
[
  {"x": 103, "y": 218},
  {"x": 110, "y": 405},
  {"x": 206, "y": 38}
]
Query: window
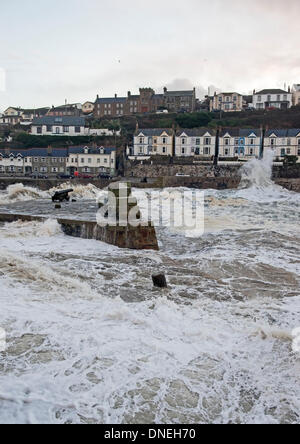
[
  {"x": 89, "y": 160},
  {"x": 288, "y": 151},
  {"x": 82, "y": 160},
  {"x": 57, "y": 130},
  {"x": 164, "y": 140},
  {"x": 259, "y": 98},
  {"x": 207, "y": 141},
  {"x": 269, "y": 98},
  {"x": 289, "y": 142},
  {"x": 66, "y": 129},
  {"x": 49, "y": 128},
  {"x": 197, "y": 141},
  {"x": 182, "y": 141},
  {"x": 207, "y": 150},
  {"x": 272, "y": 142},
  {"x": 227, "y": 141},
  {"x": 39, "y": 130},
  {"x": 183, "y": 150},
  {"x": 278, "y": 98},
  {"x": 43, "y": 159},
  {"x": 141, "y": 140},
  {"x": 77, "y": 129},
  {"x": 164, "y": 150},
  {"x": 251, "y": 151},
  {"x": 251, "y": 141},
  {"x": 35, "y": 159}
]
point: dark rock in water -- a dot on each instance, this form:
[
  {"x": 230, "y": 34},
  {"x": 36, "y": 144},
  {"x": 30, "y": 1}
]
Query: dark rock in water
[
  {"x": 57, "y": 206},
  {"x": 74, "y": 200},
  {"x": 159, "y": 280}
]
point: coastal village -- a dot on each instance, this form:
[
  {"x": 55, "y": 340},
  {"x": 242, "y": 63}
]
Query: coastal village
[{"x": 97, "y": 138}]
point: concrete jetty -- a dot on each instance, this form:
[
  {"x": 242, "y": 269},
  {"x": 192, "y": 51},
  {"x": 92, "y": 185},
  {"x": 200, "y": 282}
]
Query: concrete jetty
[{"x": 79, "y": 219}]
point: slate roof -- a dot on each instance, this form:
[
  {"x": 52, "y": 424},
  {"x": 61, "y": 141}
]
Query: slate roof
[
  {"x": 293, "y": 132},
  {"x": 179, "y": 93},
  {"x": 271, "y": 91},
  {"x": 37, "y": 152},
  {"x": 154, "y": 132},
  {"x": 196, "y": 132},
  {"x": 63, "y": 120},
  {"x": 92, "y": 150},
  {"x": 277, "y": 132},
  {"x": 237, "y": 132},
  {"x": 111, "y": 100}
]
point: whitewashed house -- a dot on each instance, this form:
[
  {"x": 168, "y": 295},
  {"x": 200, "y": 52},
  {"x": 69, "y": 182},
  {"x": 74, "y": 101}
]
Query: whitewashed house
[
  {"x": 87, "y": 160},
  {"x": 151, "y": 142},
  {"x": 11, "y": 163},
  {"x": 58, "y": 126},
  {"x": 284, "y": 142},
  {"x": 195, "y": 142},
  {"x": 272, "y": 98},
  {"x": 240, "y": 143}
]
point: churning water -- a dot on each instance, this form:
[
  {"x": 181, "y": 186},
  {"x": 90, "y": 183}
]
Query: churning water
[{"x": 90, "y": 341}]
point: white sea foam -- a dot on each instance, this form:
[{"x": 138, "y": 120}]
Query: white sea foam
[{"x": 90, "y": 341}]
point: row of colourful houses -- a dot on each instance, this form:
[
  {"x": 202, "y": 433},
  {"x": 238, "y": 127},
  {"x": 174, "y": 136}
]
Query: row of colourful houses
[
  {"x": 232, "y": 143},
  {"x": 55, "y": 161}
]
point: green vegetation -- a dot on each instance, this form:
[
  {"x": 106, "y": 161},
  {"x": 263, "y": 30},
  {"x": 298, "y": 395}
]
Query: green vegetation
[{"x": 28, "y": 141}]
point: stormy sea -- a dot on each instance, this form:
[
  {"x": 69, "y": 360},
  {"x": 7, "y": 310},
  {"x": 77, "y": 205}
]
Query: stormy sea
[{"x": 89, "y": 340}]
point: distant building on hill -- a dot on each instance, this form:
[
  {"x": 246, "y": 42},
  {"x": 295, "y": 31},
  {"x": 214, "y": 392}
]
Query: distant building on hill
[
  {"x": 227, "y": 102},
  {"x": 272, "y": 98}
]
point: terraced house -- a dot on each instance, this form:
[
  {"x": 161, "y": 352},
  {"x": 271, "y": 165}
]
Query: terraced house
[
  {"x": 52, "y": 162},
  {"x": 11, "y": 162},
  {"x": 91, "y": 160},
  {"x": 195, "y": 142},
  {"x": 241, "y": 143},
  {"x": 180, "y": 101},
  {"x": 284, "y": 142},
  {"x": 155, "y": 141}
]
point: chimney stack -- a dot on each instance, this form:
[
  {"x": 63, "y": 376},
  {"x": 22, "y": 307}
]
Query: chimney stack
[
  {"x": 129, "y": 93},
  {"x": 116, "y": 95}
]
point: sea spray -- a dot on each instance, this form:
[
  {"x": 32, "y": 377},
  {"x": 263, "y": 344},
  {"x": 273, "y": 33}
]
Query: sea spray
[{"x": 258, "y": 172}]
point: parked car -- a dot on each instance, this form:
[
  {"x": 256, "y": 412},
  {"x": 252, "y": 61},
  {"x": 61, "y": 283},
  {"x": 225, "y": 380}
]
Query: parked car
[
  {"x": 38, "y": 176},
  {"x": 104, "y": 176},
  {"x": 85, "y": 176},
  {"x": 64, "y": 176}
]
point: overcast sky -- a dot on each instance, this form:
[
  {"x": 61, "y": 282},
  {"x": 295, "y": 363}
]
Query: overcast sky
[{"x": 76, "y": 49}]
